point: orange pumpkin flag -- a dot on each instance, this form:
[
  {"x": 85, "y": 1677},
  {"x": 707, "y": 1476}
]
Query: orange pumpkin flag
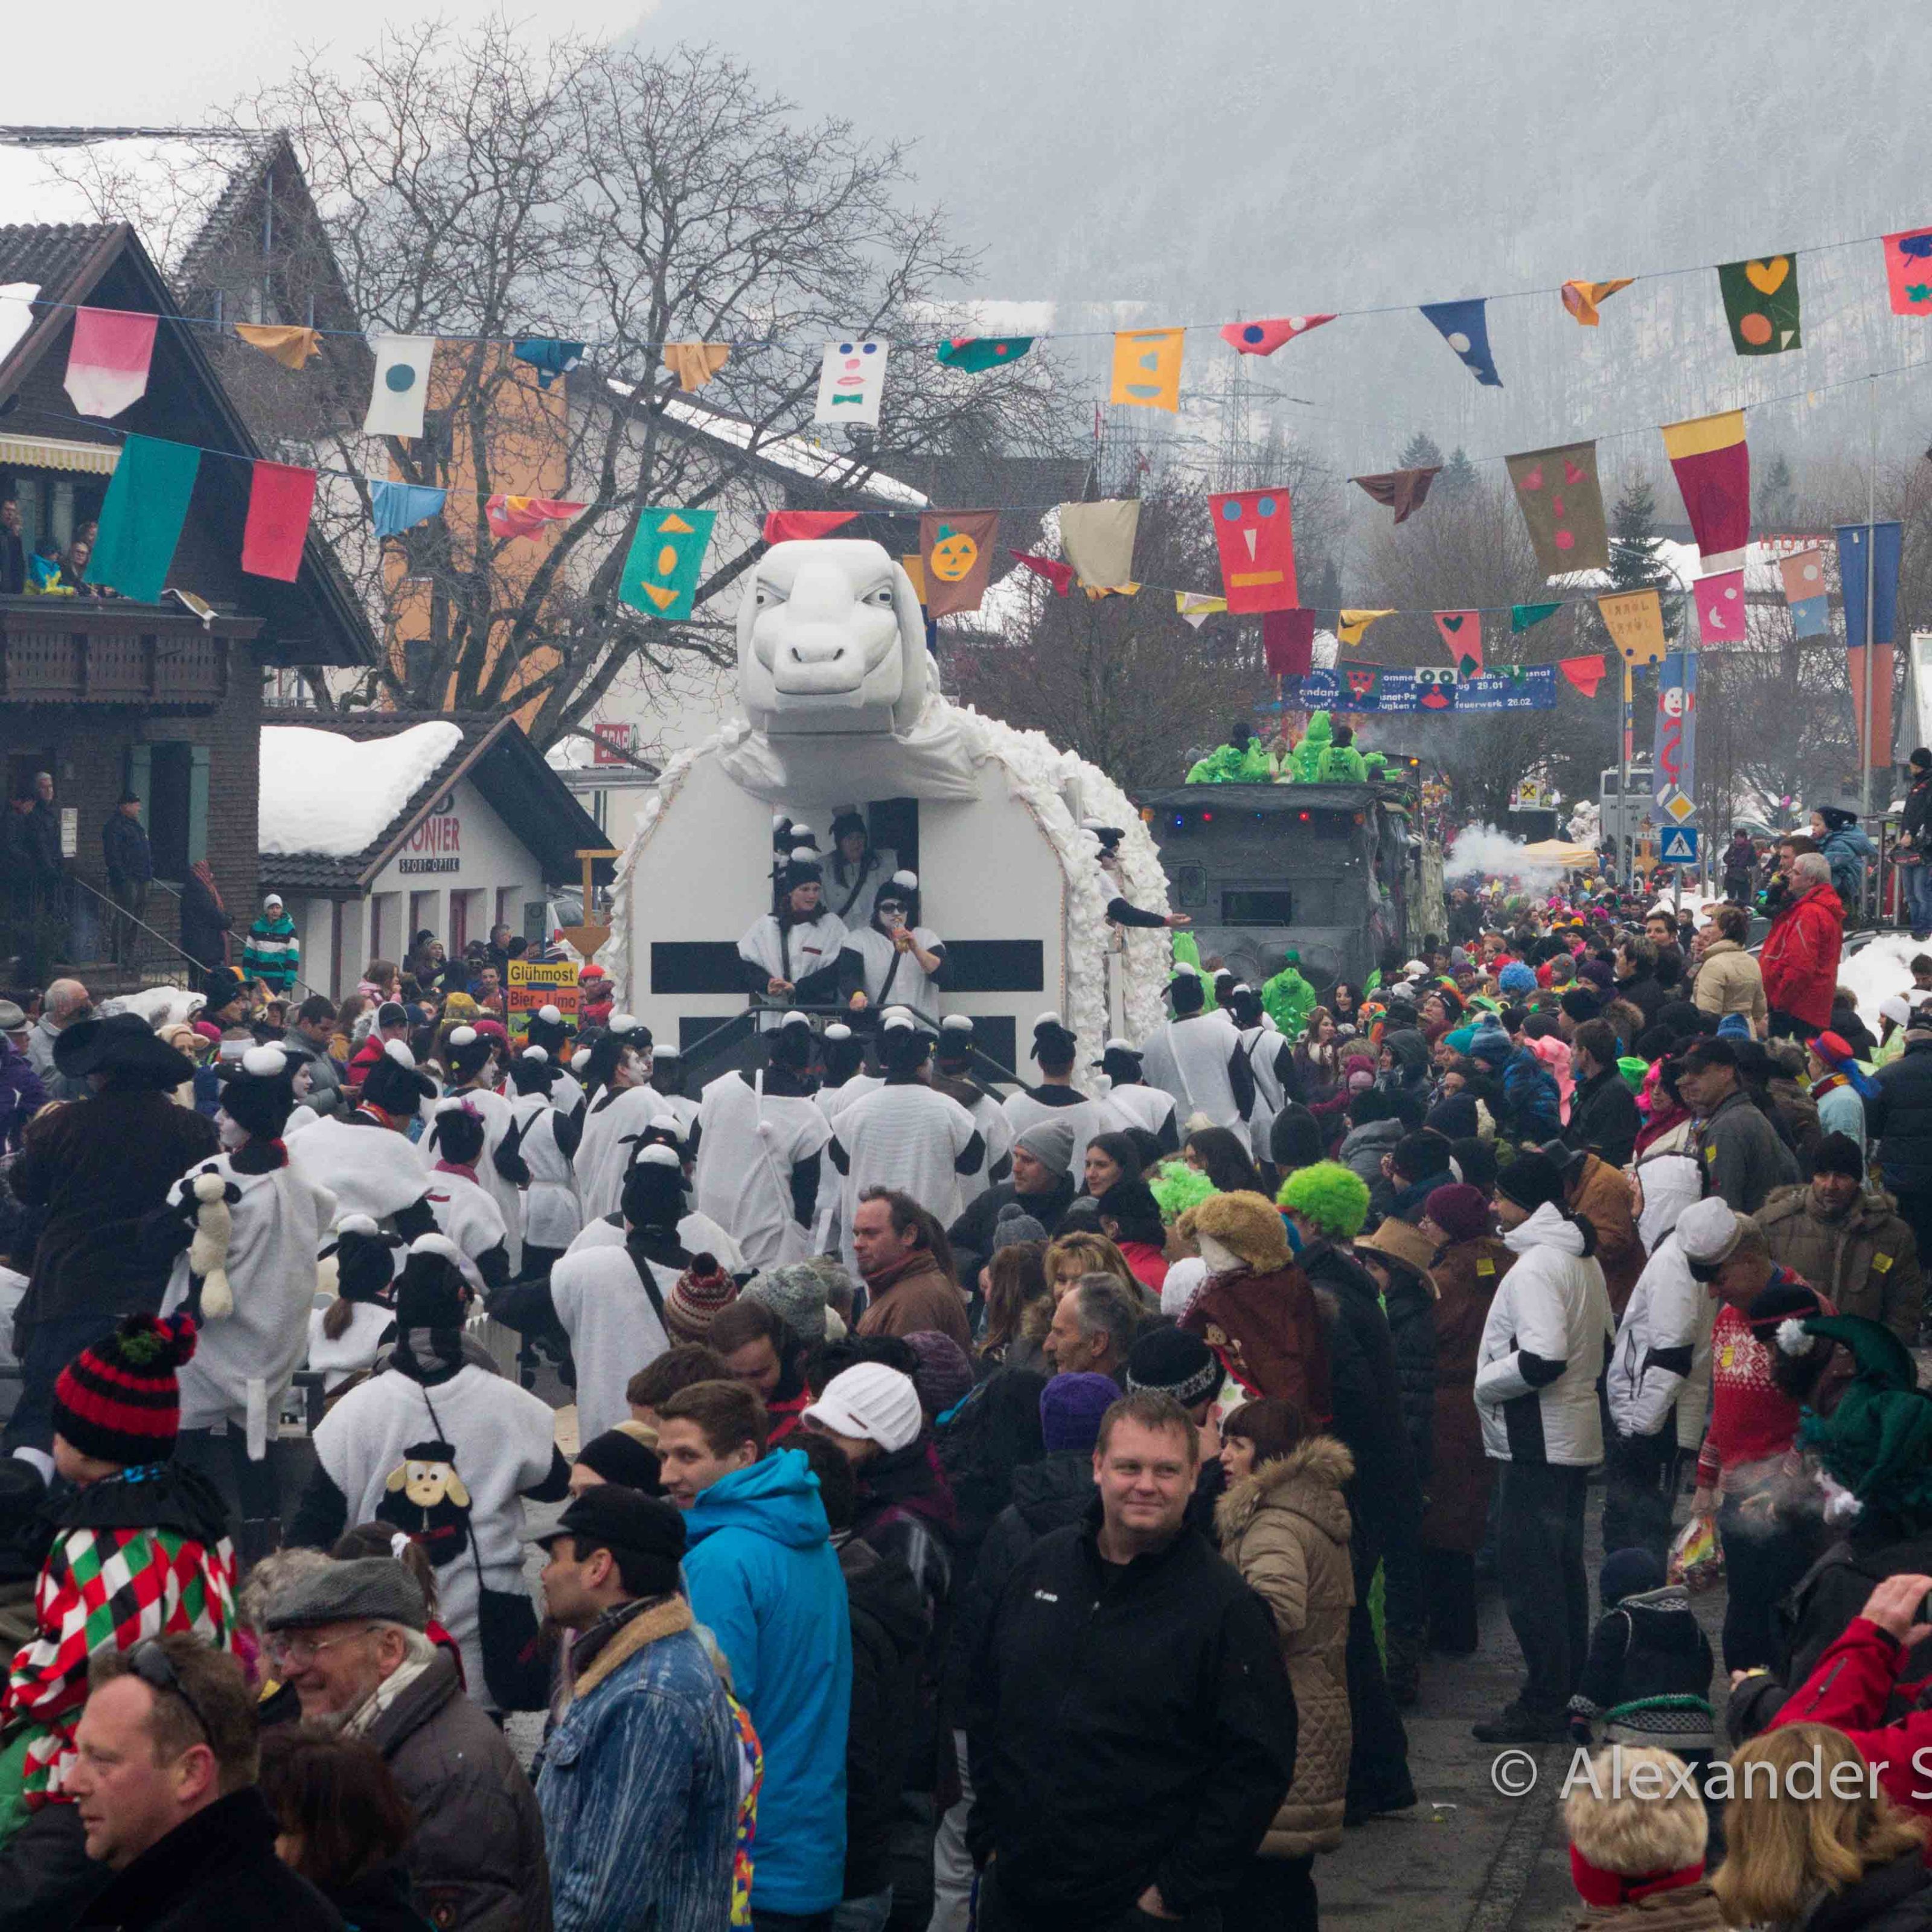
[{"x": 956, "y": 548}]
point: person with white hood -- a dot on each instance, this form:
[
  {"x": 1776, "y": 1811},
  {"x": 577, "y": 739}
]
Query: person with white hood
[
  {"x": 1197, "y": 1057},
  {"x": 539, "y": 1154},
  {"x": 893, "y": 957},
  {"x": 759, "y": 1142},
  {"x": 250, "y": 1228},
  {"x": 616, "y": 1074},
  {"x": 1536, "y": 1368},
  {"x": 472, "y": 1057},
  {"x": 465, "y": 1210},
  {"x": 1129, "y": 1095},
  {"x": 1659, "y": 1377}
]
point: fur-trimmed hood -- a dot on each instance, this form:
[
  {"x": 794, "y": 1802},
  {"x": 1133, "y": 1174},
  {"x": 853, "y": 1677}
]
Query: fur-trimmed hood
[
  {"x": 1246, "y": 1225},
  {"x": 1308, "y": 1480}
]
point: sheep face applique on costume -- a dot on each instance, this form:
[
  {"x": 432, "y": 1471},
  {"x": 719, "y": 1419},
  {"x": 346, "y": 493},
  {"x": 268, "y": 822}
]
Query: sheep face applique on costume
[
  {"x": 830, "y": 639},
  {"x": 424, "y": 1498}
]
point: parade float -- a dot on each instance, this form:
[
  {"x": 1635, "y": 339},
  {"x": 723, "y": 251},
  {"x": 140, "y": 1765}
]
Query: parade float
[{"x": 841, "y": 710}]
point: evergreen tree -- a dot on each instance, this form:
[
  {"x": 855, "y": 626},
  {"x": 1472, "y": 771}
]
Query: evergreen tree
[
  {"x": 1777, "y": 494},
  {"x": 1458, "y": 474},
  {"x": 1419, "y": 452},
  {"x": 1636, "y": 549}
]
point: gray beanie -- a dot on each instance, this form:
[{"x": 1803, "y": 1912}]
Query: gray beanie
[
  {"x": 1015, "y": 1225},
  {"x": 1051, "y": 1143},
  {"x": 795, "y": 1293}
]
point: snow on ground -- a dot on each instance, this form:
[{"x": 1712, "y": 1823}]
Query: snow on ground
[
  {"x": 1877, "y": 971},
  {"x": 159, "y": 1006},
  {"x": 1700, "y": 909},
  {"x": 323, "y": 793}
]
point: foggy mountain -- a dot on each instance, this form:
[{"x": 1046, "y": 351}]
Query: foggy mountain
[{"x": 1128, "y": 161}]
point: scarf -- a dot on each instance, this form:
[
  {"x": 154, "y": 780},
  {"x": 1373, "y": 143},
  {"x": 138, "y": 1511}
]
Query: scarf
[
  {"x": 419, "y": 1654},
  {"x": 428, "y": 1356},
  {"x": 469, "y": 1173}
]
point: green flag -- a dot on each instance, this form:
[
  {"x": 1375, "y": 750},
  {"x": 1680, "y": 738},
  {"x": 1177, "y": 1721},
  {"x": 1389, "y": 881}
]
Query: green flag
[
  {"x": 666, "y": 559},
  {"x": 1523, "y": 616},
  {"x": 978, "y": 352},
  {"x": 142, "y": 516},
  {"x": 1761, "y": 304}
]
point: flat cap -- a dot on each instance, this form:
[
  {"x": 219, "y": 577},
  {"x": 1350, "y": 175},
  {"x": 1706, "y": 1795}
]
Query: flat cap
[{"x": 362, "y": 1589}]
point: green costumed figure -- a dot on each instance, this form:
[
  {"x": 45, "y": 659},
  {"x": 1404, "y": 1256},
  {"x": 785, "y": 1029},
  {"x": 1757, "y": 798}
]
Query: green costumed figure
[
  {"x": 1288, "y": 999},
  {"x": 1242, "y": 759},
  {"x": 1342, "y": 763},
  {"x": 1313, "y": 748}
]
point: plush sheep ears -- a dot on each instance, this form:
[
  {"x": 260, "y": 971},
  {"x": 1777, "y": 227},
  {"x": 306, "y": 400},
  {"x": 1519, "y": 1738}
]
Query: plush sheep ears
[
  {"x": 537, "y": 1054},
  {"x": 398, "y": 1050},
  {"x": 657, "y": 1156},
  {"x": 549, "y": 1016},
  {"x": 265, "y": 1062},
  {"x": 461, "y": 1036},
  {"x": 906, "y": 881}
]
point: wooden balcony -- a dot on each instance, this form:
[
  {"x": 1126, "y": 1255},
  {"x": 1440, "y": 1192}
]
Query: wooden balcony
[{"x": 74, "y": 650}]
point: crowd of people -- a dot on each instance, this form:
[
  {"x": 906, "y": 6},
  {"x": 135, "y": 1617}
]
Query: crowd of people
[{"x": 1028, "y": 1508}]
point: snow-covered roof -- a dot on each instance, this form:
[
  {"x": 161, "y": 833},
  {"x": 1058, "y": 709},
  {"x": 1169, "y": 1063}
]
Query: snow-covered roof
[
  {"x": 806, "y": 460},
  {"x": 1682, "y": 563},
  {"x": 324, "y": 793}
]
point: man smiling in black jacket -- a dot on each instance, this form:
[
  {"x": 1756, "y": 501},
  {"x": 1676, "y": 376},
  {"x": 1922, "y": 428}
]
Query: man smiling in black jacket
[{"x": 1130, "y": 1726}]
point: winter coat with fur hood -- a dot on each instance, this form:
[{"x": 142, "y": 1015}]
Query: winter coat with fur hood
[
  {"x": 1466, "y": 1275},
  {"x": 1285, "y": 1529}
]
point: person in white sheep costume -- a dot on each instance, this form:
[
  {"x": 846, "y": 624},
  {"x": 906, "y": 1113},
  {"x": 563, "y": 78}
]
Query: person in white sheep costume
[{"x": 250, "y": 1227}]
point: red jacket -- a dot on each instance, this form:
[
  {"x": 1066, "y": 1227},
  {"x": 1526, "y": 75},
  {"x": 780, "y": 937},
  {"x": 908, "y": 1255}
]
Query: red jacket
[
  {"x": 1800, "y": 959},
  {"x": 1849, "y": 1690}
]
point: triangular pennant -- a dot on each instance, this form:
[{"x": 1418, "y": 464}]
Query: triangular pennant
[
  {"x": 1060, "y": 575},
  {"x": 524, "y": 516},
  {"x": 1462, "y": 635},
  {"x": 549, "y": 357},
  {"x": 1401, "y": 491},
  {"x": 1195, "y": 607},
  {"x": 693, "y": 364},
  {"x": 1586, "y": 673},
  {"x": 289, "y": 343},
  {"x": 1523, "y": 616},
  {"x": 396, "y": 507},
  {"x": 801, "y": 526},
  {"x": 1465, "y": 326},
  {"x": 978, "y": 353},
  {"x": 1581, "y": 298},
  {"x": 1354, "y": 624},
  {"x": 1265, "y": 338}
]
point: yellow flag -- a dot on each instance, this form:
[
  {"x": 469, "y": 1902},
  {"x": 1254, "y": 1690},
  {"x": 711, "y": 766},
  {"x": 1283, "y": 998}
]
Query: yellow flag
[
  {"x": 1581, "y": 298},
  {"x": 1355, "y": 623},
  {"x": 1197, "y": 606},
  {"x": 693, "y": 364},
  {"x": 914, "y": 567},
  {"x": 1097, "y": 592},
  {"x": 1147, "y": 368},
  {"x": 289, "y": 343},
  {"x": 1635, "y": 621}
]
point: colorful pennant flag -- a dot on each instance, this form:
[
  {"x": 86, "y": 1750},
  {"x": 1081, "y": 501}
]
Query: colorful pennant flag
[
  {"x": 1908, "y": 271},
  {"x": 1522, "y": 616},
  {"x": 1761, "y": 304},
  {"x": 1194, "y": 608},
  {"x": 1402, "y": 490},
  {"x": 1265, "y": 338},
  {"x": 914, "y": 568},
  {"x": 979, "y": 353},
  {"x": 1562, "y": 507},
  {"x": 395, "y": 508},
  {"x": 802, "y": 525},
  {"x": 1720, "y": 599},
  {"x": 1095, "y": 592},
  {"x": 289, "y": 343},
  {"x": 693, "y": 364},
  {"x": 1147, "y": 368},
  {"x": 1255, "y": 532},
  {"x": 1586, "y": 673},
  {"x": 1806, "y": 593},
  {"x": 1060, "y": 575},
  {"x": 852, "y": 382},
  {"x": 1635, "y": 621},
  {"x": 1465, "y": 326},
  {"x": 401, "y": 385},
  {"x": 280, "y": 499},
  {"x": 108, "y": 359},
  {"x": 1363, "y": 683},
  {"x": 141, "y": 515},
  {"x": 1581, "y": 298},
  {"x": 1876, "y": 546},
  {"x": 524, "y": 516},
  {"x": 1462, "y": 635},
  {"x": 1674, "y": 750},
  {"x": 1288, "y": 642},
  {"x": 1354, "y": 624},
  {"x": 548, "y": 357},
  {"x": 1711, "y": 462},
  {"x": 1099, "y": 540},
  {"x": 956, "y": 548},
  {"x": 665, "y": 560}
]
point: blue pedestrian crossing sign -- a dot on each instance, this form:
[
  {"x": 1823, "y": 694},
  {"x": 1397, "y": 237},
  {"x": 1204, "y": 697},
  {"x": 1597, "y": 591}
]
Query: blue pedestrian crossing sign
[{"x": 1677, "y": 845}]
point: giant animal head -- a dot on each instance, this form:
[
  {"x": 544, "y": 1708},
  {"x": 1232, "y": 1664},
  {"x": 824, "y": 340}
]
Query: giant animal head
[{"x": 830, "y": 640}]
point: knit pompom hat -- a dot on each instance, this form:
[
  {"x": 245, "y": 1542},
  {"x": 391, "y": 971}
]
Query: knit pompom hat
[
  {"x": 697, "y": 1296},
  {"x": 118, "y": 1399}
]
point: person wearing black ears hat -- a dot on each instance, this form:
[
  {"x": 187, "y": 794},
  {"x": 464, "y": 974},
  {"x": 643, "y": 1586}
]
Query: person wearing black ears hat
[
  {"x": 537, "y": 1154},
  {"x": 892, "y": 956},
  {"x": 667, "y": 1081},
  {"x": 98, "y": 1168},
  {"x": 761, "y": 1138},
  {"x": 842, "y": 1055},
  {"x": 1197, "y": 1057},
  {"x": 1056, "y": 1097},
  {"x": 621, "y": 1104},
  {"x": 856, "y": 865},
  {"x": 1120, "y": 911},
  {"x": 463, "y": 1208},
  {"x": 471, "y": 1057},
  {"x": 245, "y": 1229},
  {"x": 952, "y": 1076},
  {"x": 445, "y": 1450},
  {"x": 1128, "y": 1093},
  {"x": 792, "y": 951}
]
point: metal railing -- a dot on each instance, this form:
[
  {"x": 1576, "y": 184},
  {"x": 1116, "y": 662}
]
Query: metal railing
[{"x": 115, "y": 912}]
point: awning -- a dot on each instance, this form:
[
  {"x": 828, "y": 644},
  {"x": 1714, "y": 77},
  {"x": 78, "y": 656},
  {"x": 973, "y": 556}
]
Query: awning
[{"x": 43, "y": 452}]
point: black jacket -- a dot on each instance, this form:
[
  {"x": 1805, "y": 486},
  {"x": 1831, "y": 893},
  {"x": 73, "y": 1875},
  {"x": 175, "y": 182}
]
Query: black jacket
[
  {"x": 203, "y": 923},
  {"x": 1918, "y": 815},
  {"x": 889, "y": 1635},
  {"x": 1899, "y": 1117},
  {"x": 1128, "y": 1726},
  {"x": 123, "y": 844},
  {"x": 1410, "y": 1311},
  {"x": 217, "y": 1871},
  {"x": 1893, "y": 1897},
  {"x": 972, "y": 1234},
  {"x": 13, "y": 564},
  {"x": 1604, "y": 1118},
  {"x": 1644, "y": 992},
  {"x": 1647, "y": 1646}
]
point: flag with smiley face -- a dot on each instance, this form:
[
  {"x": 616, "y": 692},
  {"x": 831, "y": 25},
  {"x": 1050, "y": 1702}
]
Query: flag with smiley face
[
  {"x": 1434, "y": 687},
  {"x": 852, "y": 382},
  {"x": 955, "y": 547},
  {"x": 666, "y": 559},
  {"x": 1255, "y": 529}
]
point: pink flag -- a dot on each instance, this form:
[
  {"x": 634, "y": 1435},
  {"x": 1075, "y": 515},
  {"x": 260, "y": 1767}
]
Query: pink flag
[
  {"x": 280, "y": 499},
  {"x": 1263, "y": 338},
  {"x": 524, "y": 516},
  {"x": 1462, "y": 635},
  {"x": 797, "y": 526},
  {"x": 107, "y": 361},
  {"x": 1288, "y": 641},
  {"x": 1585, "y": 673},
  {"x": 1721, "y": 607}
]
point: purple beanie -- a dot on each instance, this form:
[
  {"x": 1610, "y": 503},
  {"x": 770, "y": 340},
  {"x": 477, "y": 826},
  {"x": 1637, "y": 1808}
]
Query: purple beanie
[
  {"x": 1459, "y": 1211},
  {"x": 1070, "y": 1409},
  {"x": 944, "y": 1376}
]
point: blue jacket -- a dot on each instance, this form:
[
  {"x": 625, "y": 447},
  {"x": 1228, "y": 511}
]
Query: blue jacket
[
  {"x": 638, "y": 1785},
  {"x": 764, "y": 1579},
  {"x": 1530, "y": 1103},
  {"x": 1847, "y": 851}
]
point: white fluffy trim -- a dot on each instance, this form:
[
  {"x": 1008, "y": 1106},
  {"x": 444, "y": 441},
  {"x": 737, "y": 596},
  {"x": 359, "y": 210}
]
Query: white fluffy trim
[{"x": 208, "y": 1253}]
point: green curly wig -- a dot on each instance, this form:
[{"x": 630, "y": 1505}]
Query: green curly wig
[
  {"x": 1177, "y": 1187},
  {"x": 1334, "y": 1198}
]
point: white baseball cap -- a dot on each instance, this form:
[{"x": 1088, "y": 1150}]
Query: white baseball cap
[{"x": 872, "y": 1401}]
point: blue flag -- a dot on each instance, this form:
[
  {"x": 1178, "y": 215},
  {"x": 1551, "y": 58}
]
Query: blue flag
[
  {"x": 1465, "y": 327},
  {"x": 548, "y": 357},
  {"x": 398, "y": 507},
  {"x": 1855, "y": 542}
]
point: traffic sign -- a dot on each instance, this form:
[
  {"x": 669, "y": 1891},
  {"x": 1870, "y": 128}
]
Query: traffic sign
[
  {"x": 1678, "y": 807},
  {"x": 1677, "y": 846}
]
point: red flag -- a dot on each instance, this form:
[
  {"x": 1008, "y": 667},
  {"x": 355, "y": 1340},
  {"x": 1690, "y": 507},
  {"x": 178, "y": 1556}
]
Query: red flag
[
  {"x": 109, "y": 354},
  {"x": 1255, "y": 529},
  {"x": 1263, "y": 338},
  {"x": 524, "y": 516},
  {"x": 280, "y": 499},
  {"x": 1462, "y": 635},
  {"x": 800, "y": 526},
  {"x": 1585, "y": 673},
  {"x": 1288, "y": 642},
  {"x": 1060, "y": 575}
]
